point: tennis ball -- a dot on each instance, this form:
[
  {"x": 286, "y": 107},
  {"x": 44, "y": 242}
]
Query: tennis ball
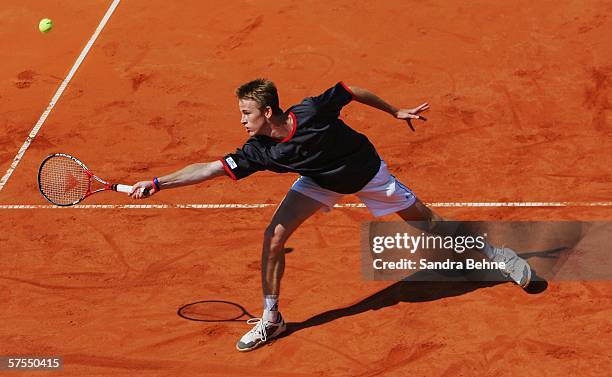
[{"x": 45, "y": 25}]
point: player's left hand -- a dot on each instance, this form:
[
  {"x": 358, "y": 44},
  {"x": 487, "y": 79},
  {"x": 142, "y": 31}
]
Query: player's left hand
[{"x": 409, "y": 114}]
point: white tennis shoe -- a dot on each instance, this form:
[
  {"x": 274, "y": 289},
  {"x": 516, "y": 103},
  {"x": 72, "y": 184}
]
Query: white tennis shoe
[
  {"x": 516, "y": 268},
  {"x": 261, "y": 333}
]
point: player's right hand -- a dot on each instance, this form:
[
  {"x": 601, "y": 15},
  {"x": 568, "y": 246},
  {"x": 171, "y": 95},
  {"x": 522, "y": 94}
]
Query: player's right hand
[{"x": 142, "y": 189}]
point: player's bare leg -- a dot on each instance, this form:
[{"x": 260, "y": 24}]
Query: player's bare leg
[
  {"x": 516, "y": 268},
  {"x": 420, "y": 212},
  {"x": 293, "y": 211}
]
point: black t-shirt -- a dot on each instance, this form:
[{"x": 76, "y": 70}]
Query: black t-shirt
[{"x": 321, "y": 147}]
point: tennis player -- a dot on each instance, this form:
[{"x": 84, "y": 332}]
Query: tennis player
[{"x": 332, "y": 160}]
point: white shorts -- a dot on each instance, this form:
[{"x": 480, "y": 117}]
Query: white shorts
[{"x": 383, "y": 195}]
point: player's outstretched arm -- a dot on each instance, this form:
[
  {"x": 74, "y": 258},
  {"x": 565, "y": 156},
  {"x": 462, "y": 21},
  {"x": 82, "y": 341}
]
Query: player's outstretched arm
[
  {"x": 368, "y": 98},
  {"x": 189, "y": 175}
]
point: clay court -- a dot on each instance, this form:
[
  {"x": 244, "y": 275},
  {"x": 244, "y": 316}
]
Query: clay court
[{"x": 520, "y": 115}]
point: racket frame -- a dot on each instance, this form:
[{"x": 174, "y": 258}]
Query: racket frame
[{"x": 89, "y": 192}]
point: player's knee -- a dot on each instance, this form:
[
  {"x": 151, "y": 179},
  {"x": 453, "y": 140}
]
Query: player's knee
[{"x": 275, "y": 236}]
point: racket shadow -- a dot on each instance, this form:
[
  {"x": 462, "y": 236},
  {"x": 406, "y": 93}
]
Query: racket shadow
[{"x": 214, "y": 311}]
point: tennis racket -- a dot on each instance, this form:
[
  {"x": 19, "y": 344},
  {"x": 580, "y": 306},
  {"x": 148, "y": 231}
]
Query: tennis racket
[{"x": 65, "y": 181}]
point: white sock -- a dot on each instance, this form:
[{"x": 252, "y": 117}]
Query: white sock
[{"x": 270, "y": 308}]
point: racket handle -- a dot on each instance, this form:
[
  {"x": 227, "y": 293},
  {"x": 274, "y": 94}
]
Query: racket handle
[{"x": 122, "y": 188}]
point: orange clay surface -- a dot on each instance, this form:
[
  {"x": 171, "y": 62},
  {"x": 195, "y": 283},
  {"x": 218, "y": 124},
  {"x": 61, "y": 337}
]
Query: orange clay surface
[{"x": 520, "y": 111}]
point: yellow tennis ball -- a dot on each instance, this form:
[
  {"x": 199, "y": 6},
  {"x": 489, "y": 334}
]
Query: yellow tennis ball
[{"x": 45, "y": 25}]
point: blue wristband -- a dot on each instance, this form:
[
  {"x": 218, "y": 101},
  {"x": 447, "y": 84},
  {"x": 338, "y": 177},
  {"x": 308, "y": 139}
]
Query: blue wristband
[{"x": 156, "y": 184}]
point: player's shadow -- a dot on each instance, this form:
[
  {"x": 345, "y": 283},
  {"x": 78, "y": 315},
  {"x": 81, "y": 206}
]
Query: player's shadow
[
  {"x": 552, "y": 253},
  {"x": 412, "y": 289}
]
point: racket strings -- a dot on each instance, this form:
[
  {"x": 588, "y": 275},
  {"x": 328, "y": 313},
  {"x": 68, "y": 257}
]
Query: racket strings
[{"x": 63, "y": 181}]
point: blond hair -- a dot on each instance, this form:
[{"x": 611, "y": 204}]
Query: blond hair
[{"x": 263, "y": 92}]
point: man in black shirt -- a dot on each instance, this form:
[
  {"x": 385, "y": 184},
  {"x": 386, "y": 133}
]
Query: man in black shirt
[
  {"x": 319, "y": 145},
  {"x": 332, "y": 160}
]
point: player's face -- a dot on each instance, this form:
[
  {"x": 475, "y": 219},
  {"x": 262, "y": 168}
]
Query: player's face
[{"x": 253, "y": 118}]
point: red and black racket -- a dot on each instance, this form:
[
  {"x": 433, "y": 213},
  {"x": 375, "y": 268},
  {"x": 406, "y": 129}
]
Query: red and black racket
[{"x": 65, "y": 181}]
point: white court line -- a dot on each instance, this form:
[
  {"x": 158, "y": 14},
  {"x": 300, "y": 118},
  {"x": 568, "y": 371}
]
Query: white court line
[
  {"x": 265, "y": 205},
  {"x": 57, "y": 95}
]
